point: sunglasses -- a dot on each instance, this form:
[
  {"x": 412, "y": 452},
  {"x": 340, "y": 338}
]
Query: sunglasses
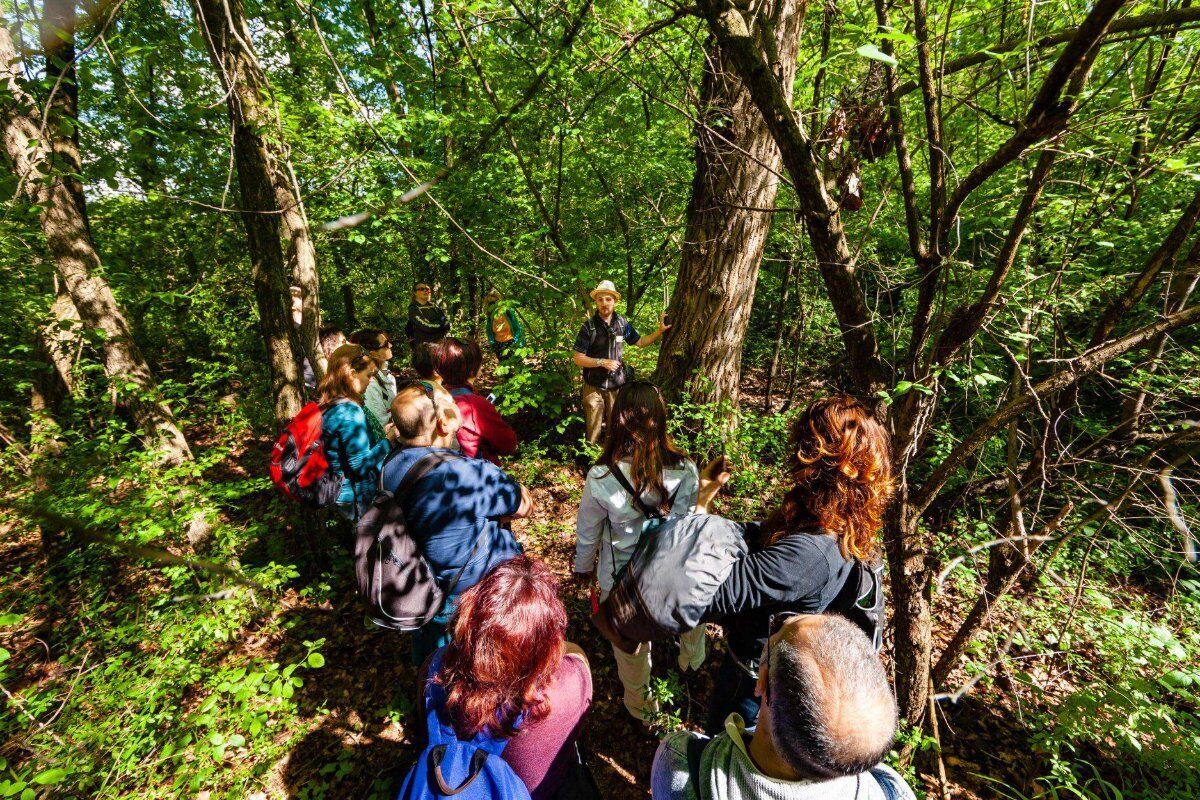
[
  {"x": 422, "y": 289},
  {"x": 383, "y": 345}
]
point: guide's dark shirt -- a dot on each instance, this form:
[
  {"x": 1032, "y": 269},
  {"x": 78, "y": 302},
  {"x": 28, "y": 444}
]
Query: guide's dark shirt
[
  {"x": 600, "y": 339},
  {"x": 426, "y": 323}
]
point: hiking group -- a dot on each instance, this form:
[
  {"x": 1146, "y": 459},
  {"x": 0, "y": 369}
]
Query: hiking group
[{"x": 801, "y": 706}]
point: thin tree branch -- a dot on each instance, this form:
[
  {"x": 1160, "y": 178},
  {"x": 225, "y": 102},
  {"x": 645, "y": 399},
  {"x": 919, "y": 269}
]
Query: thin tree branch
[
  {"x": 1078, "y": 369},
  {"x": 485, "y": 138},
  {"x": 1178, "y": 16}
]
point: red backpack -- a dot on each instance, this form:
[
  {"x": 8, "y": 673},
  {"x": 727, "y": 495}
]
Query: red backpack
[{"x": 298, "y": 463}]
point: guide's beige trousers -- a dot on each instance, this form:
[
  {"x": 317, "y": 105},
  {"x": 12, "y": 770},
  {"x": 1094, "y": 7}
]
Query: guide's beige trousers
[{"x": 597, "y": 405}]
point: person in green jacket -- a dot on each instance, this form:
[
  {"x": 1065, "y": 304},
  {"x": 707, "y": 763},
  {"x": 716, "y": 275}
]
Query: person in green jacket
[{"x": 504, "y": 330}]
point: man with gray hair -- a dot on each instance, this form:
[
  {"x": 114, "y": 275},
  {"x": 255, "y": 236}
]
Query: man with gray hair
[{"x": 828, "y": 718}]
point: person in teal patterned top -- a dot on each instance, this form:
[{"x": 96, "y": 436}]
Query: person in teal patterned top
[{"x": 353, "y": 449}]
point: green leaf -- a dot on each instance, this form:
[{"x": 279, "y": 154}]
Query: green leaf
[
  {"x": 871, "y": 51},
  {"x": 50, "y": 776},
  {"x": 316, "y": 660},
  {"x": 1176, "y": 679},
  {"x": 9, "y": 619}
]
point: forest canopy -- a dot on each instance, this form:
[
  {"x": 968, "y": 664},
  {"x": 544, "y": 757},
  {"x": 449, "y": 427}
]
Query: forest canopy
[{"x": 981, "y": 219}]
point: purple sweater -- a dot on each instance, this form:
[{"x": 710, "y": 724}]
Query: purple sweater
[{"x": 542, "y": 752}]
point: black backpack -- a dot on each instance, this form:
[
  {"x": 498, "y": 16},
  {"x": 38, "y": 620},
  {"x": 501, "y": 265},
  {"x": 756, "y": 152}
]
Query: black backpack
[
  {"x": 394, "y": 580},
  {"x": 861, "y": 601},
  {"x": 669, "y": 582}
]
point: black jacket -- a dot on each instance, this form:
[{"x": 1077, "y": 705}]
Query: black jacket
[
  {"x": 803, "y": 572},
  {"x": 426, "y": 323}
]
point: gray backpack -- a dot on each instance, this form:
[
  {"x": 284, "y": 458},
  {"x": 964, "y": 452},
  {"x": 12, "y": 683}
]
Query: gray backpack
[{"x": 670, "y": 581}]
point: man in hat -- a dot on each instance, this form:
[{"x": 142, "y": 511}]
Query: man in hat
[{"x": 599, "y": 349}]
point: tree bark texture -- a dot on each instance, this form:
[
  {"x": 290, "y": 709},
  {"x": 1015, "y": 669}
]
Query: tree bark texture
[
  {"x": 728, "y": 219},
  {"x": 819, "y": 210},
  {"x": 263, "y": 182},
  {"x": 48, "y": 167}
]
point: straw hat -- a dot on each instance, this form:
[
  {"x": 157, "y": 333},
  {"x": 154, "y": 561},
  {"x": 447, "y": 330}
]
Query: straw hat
[{"x": 606, "y": 287}]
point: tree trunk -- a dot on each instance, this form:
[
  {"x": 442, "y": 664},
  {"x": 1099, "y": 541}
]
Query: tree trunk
[
  {"x": 728, "y": 219},
  {"x": 299, "y": 249},
  {"x": 48, "y": 169},
  {"x": 60, "y": 337},
  {"x": 780, "y": 315},
  {"x": 263, "y": 182}
]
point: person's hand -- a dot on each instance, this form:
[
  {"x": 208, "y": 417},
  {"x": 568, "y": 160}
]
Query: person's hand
[
  {"x": 389, "y": 430},
  {"x": 715, "y": 474},
  {"x": 662, "y": 322},
  {"x": 610, "y": 364}
]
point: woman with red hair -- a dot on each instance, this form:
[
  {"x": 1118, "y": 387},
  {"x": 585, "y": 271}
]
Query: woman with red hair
[
  {"x": 509, "y": 673},
  {"x": 809, "y": 554}
]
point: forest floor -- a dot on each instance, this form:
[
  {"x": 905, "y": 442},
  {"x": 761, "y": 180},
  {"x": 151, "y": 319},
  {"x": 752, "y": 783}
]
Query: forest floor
[
  {"x": 350, "y": 735},
  {"x": 367, "y": 669}
]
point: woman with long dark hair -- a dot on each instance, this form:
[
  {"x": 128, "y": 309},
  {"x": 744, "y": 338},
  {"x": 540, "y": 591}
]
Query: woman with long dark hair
[
  {"x": 640, "y": 479},
  {"x": 355, "y": 449},
  {"x": 509, "y": 673},
  {"x": 808, "y": 555}
]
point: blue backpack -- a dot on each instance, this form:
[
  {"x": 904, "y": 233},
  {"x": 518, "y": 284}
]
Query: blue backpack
[{"x": 450, "y": 767}]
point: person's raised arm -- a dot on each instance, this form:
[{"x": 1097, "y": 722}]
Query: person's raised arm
[
  {"x": 651, "y": 338},
  {"x": 786, "y": 571},
  {"x": 715, "y": 474},
  {"x": 527, "y": 505}
]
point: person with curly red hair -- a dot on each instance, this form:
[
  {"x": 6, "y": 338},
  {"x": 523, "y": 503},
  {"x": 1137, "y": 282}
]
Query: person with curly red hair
[
  {"x": 807, "y": 556},
  {"x": 509, "y": 673}
]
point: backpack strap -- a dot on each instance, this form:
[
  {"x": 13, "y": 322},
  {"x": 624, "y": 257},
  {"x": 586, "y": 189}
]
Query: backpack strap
[
  {"x": 861, "y": 600},
  {"x": 647, "y": 511},
  {"x": 478, "y": 759},
  {"x": 423, "y": 466},
  {"x": 872, "y": 574},
  {"x": 471, "y": 557}
]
